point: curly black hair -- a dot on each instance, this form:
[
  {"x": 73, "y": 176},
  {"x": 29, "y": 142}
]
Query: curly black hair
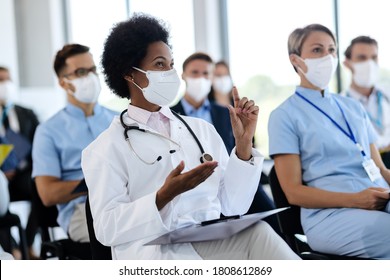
[{"x": 127, "y": 45}]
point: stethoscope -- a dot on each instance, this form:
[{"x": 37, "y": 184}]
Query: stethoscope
[{"x": 204, "y": 156}]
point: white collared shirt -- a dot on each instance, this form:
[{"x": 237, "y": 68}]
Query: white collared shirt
[{"x": 370, "y": 103}]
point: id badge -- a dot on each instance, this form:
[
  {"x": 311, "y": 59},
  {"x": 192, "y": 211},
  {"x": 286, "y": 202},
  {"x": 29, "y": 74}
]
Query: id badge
[{"x": 371, "y": 169}]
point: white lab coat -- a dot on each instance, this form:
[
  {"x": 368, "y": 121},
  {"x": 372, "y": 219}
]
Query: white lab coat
[{"x": 122, "y": 189}]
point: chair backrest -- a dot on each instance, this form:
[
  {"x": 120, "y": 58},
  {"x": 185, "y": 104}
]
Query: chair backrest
[
  {"x": 51, "y": 247},
  {"x": 46, "y": 216},
  {"x": 290, "y": 219},
  {"x": 98, "y": 250}
]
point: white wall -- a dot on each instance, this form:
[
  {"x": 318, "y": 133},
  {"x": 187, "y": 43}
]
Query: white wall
[
  {"x": 32, "y": 32},
  {"x": 8, "y": 46}
]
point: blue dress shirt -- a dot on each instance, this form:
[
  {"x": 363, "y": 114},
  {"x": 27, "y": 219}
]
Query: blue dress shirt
[
  {"x": 58, "y": 144},
  {"x": 203, "y": 112}
]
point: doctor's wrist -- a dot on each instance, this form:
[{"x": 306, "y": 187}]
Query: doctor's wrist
[
  {"x": 162, "y": 198},
  {"x": 244, "y": 151}
]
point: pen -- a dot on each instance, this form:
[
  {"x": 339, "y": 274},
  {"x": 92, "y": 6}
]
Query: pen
[{"x": 223, "y": 219}]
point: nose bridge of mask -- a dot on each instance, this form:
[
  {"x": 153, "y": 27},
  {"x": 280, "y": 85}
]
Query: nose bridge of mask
[
  {"x": 366, "y": 73},
  {"x": 82, "y": 82},
  {"x": 320, "y": 62}
]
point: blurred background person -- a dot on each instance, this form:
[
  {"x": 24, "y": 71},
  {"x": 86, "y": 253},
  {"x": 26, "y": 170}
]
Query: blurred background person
[
  {"x": 18, "y": 125},
  {"x": 198, "y": 74},
  {"x": 221, "y": 90},
  {"x": 198, "y": 70},
  {"x": 361, "y": 58},
  {"x": 59, "y": 141},
  {"x": 4, "y": 203}
]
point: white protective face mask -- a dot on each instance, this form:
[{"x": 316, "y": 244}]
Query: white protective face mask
[
  {"x": 7, "y": 90},
  {"x": 366, "y": 73},
  {"x": 87, "y": 88},
  {"x": 198, "y": 88},
  {"x": 320, "y": 70},
  {"x": 162, "y": 88},
  {"x": 223, "y": 84}
]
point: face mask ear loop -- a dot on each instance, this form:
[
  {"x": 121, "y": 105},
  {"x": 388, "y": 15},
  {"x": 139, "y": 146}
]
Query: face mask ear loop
[
  {"x": 137, "y": 86},
  {"x": 140, "y": 70},
  {"x": 69, "y": 90},
  {"x": 132, "y": 81},
  {"x": 299, "y": 68}
]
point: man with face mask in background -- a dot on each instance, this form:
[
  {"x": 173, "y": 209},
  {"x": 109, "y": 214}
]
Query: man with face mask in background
[
  {"x": 198, "y": 71},
  {"x": 361, "y": 57},
  {"x": 58, "y": 142},
  {"x": 17, "y": 127}
]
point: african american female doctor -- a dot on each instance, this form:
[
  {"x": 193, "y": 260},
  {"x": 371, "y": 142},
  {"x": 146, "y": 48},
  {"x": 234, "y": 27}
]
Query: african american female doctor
[
  {"x": 144, "y": 173},
  {"x": 326, "y": 140}
]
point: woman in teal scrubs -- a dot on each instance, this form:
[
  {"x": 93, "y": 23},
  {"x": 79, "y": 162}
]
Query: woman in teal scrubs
[{"x": 326, "y": 140}]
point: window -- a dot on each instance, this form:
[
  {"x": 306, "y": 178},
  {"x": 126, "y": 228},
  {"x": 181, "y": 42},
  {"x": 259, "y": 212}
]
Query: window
[
  {"x": 179, "y": 16},
  {"x": 91, "y": 21},
  {"x": 360, "y": 18},
  {"x": 90, "y": 24}
]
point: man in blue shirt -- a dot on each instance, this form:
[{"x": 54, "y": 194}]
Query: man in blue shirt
[
  {"x": 59, "y": 141},
  {"x": 197, "y": 73}
]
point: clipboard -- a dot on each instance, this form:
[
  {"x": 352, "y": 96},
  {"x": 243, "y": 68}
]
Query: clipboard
[
  {"x": 5, "y": 150},
  {"x": 213, "y": 230}
]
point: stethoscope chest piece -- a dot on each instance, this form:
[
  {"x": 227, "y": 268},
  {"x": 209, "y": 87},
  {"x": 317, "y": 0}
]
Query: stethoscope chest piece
[{"x": 205, "y": 158}]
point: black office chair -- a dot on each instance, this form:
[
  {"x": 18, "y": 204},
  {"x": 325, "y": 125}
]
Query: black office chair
[
  {"x": 63, "y": 249},
  {"x": 290, "y": 225},
  {"x": 8, "y": 221},
  {"x": 98, "y": 250}
]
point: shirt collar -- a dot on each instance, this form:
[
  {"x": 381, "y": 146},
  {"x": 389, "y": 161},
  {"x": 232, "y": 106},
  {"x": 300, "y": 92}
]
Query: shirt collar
[
  {"x": 79, "y": 113},
  {"x": 142, "y": 116},
  {"x": 312, "y": 93},
  {"x": 189, "y": 109},
  {"x": 355, "y": 94}
]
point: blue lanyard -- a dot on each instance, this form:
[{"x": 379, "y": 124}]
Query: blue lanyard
[
  {"x": 349, "y": 135},
  {"x": 378, "y": 120},
  {"x": 5, "y": 113}
]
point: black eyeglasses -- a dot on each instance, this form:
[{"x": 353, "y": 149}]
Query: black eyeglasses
[{"x": 82, "y": 72}]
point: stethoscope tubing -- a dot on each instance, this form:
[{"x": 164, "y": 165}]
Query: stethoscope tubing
[{"x": 205, "y": 157}]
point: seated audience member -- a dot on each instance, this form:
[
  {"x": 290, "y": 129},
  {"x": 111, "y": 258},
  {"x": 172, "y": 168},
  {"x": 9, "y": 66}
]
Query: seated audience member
[
  {"x": 361, "y": 57},
  {"x": 144, "y": 173},
  {"x": 221, "y": 90},
  {"x": 59, "y": 141},
  {"x": 197, "y": 74},
  {"x": 198, "y": 71},
  {"x": 18, "y": 125},
  {"x": 327, "y": 141}
]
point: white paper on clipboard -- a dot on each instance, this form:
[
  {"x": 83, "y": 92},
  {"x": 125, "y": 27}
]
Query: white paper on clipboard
[{"x": 214, "y": 231}]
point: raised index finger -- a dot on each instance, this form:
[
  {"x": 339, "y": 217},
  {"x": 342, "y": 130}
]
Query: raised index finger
[{"x": 236, "y": 97}]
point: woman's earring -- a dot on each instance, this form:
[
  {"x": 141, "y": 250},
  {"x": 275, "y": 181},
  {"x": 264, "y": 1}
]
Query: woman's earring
[{"x": 129, "y": 78}]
